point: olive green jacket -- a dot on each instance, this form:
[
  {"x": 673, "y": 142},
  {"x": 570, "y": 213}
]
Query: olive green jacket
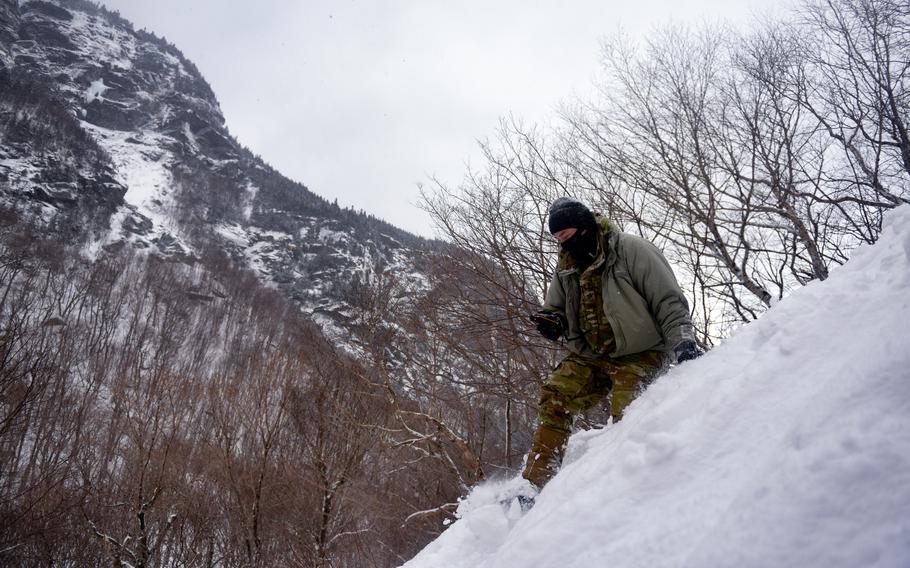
[{"x": 642, "y": 299}]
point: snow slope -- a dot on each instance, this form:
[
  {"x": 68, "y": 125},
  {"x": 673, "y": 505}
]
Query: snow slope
[{"x": 788, "y": 445}]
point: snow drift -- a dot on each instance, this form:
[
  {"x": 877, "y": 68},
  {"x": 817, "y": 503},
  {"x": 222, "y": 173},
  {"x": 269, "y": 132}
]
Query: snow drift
[{"x": 788, "y": 445}]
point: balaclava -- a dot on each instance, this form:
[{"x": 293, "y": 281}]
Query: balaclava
[{"x": 568, "y": 213}]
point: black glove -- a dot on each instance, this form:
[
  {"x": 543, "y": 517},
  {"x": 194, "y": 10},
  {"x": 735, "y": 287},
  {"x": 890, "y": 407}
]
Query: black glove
[
  {"x": 549, "y": 324},
  {"x": 686, "y": 350}
]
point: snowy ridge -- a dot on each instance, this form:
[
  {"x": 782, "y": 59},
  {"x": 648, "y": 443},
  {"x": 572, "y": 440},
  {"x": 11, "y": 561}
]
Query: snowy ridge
[{"x": 789, "y": 445}]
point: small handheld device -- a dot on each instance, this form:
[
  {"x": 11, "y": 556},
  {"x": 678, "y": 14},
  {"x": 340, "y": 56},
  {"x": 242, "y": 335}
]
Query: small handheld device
[
  {"x": 543, "y": 317},
  {"x": 551, "y": 325}
]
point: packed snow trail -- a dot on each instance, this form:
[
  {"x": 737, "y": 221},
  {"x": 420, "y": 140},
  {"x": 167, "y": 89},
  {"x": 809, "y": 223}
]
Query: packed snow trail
[{"x": 788, "y": 445}]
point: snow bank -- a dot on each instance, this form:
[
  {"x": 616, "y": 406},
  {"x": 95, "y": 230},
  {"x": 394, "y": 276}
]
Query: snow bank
[{"x": 789, "y": 445}]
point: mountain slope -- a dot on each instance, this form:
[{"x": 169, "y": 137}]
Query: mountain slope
[
  {"x": 129, "y": 216},
  {"x": 110, "y": 136},
  {"x": 126, "y": 204},
  {"x": 789, "y": 445}
]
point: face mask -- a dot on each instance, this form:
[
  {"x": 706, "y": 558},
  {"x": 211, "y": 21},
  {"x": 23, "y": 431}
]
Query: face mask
[{"x": 582, "y": 246}]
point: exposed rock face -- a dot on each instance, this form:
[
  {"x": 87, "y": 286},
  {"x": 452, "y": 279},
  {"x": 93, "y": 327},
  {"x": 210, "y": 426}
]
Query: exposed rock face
[
  {"x": 50, "y": 168},
  {"x": 109, "y": 136},
  {"x": 9, "y": 30}
]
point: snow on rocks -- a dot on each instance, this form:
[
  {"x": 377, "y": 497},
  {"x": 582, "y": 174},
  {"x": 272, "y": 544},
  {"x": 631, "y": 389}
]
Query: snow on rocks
[
  {"x": 789, "y": 445},
  {"x": 95, "y": 91},
  {"x": 142, "y": 163}
]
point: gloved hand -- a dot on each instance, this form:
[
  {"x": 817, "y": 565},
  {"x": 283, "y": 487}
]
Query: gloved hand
[
  {"x": 549, "y": 324},
  {"x": 686, "y": 350}
]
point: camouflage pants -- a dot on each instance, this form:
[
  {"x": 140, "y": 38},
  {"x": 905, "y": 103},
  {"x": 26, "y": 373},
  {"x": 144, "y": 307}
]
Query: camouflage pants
[{"x": 578, "y": 384}]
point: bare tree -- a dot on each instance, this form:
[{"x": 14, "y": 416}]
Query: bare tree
[{"x": 859, "y": 55}]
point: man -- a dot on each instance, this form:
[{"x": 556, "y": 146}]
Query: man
[{"x": 616, "y": 302}]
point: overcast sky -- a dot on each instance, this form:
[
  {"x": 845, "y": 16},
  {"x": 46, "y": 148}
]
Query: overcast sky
[{"x": 362, "y": 100}]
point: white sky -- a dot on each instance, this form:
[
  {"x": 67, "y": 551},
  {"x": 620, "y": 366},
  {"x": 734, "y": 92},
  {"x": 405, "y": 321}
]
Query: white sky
[{"x": 361, "y": 100}]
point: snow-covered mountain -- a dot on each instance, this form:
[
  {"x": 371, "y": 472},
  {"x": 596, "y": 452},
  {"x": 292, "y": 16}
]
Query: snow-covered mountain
[
  {"x": 110, "y": 136},
  {"x": 789, "y": 445},
  {"x": 119, "y": 179}
]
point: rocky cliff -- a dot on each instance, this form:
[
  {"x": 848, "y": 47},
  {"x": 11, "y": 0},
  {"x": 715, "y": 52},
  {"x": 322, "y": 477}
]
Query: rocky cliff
[
  {"x": 109, "y": 137},
  {"x": 9, "y": 31}
]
